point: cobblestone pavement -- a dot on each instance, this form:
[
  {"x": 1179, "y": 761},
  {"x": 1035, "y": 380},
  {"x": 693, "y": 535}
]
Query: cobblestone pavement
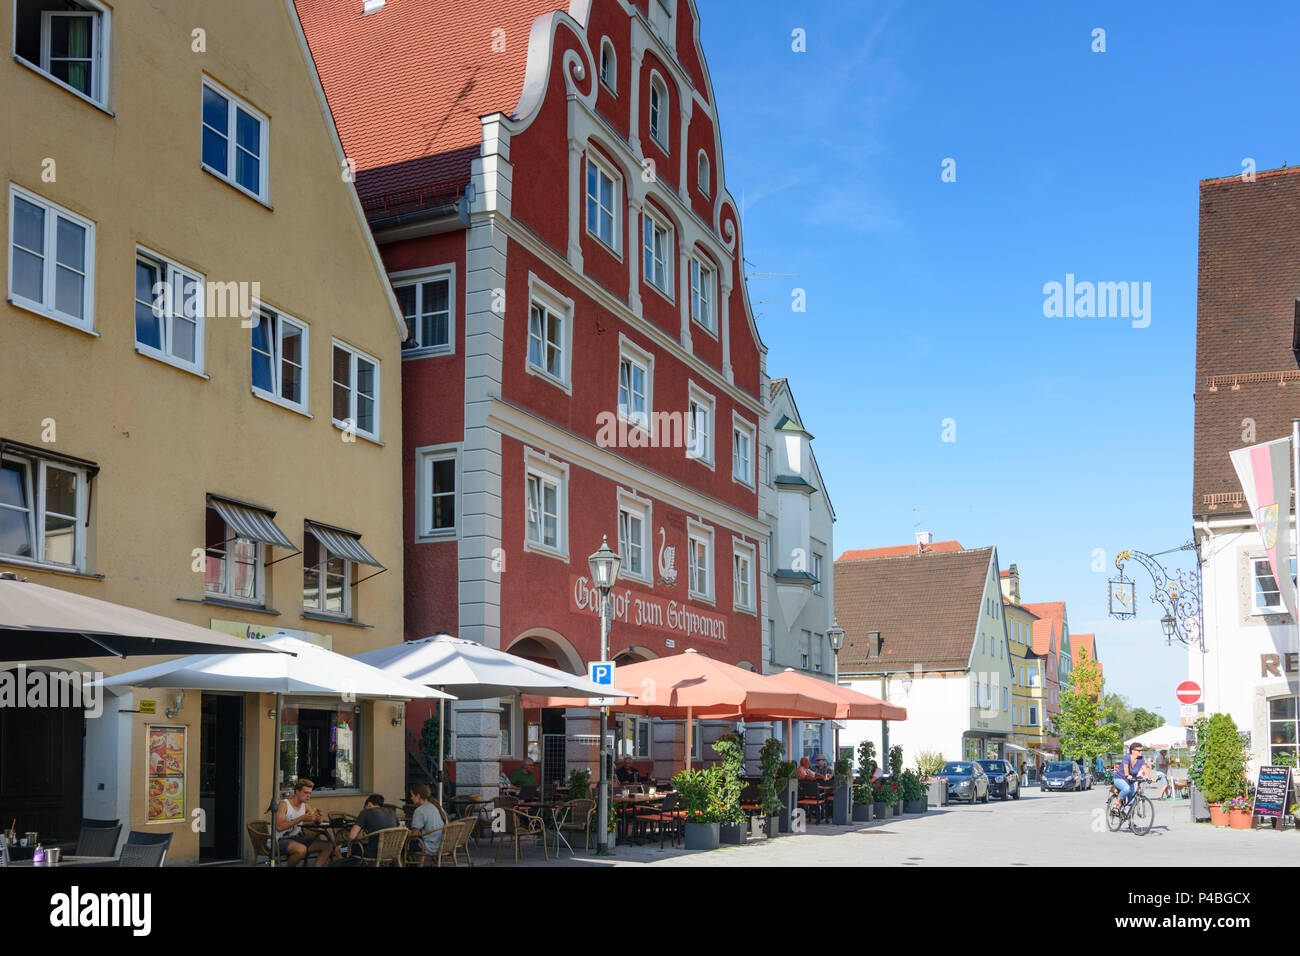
[{"x": 1055, "y": 829}]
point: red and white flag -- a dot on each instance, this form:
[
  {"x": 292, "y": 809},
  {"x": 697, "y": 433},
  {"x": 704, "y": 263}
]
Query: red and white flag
[{"x": 1265, "y": 475}]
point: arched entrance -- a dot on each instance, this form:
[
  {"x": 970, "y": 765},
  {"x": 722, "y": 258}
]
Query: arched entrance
[{"x": 545, "y": 646}]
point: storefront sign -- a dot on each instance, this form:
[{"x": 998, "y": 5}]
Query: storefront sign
[
  {"x": 148, "y": 706},
  {"x": 165, "y": 774},
  {"x": 652, "y": 613},
  {"x": 1271, "y": 790},
  {"x": 1270, "y": 664},
  {"x": 259, "y": 632}
]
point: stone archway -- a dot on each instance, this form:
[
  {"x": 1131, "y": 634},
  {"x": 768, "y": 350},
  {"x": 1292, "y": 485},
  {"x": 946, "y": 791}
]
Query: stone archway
[
  {"x": 634, "y": 654},
  {"x": 548, "y": 647}
]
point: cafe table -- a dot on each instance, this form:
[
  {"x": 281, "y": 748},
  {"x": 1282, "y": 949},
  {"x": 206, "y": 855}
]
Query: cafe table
[
  {"x": 626, "y": 806},
  {"x": 70, "y": 861}
]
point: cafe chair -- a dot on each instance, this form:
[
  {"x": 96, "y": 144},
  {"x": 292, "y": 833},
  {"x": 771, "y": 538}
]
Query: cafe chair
[
  {"x": 579, "y": 820},
  {"x": 98, "y": 838},
  {"x": 455, "y": 836},
  {"x": 259, "y": 835},
  {"x": 142, "y": 855},
  {"x": 664, "y": 818},
  {"x": 520, "y": 824},
  {"x": 392, "y": 846},
  {"x": 750, "y": 798},
  {"x": 164, "y": 840},
  {"x": 810, "y": 798}
]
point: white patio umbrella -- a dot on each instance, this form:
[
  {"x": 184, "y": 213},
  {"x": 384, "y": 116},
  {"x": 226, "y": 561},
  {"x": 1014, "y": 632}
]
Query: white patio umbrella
[
  {"x": 313, "y": 672},
  {"x": 473, "y": 671},
  {"x": 1162, "y": 738}
]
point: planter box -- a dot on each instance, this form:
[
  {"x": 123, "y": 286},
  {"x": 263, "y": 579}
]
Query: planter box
[
  {"x": 861, "y": 813},
  {"x": 773, "y": 825},
  {"x": 938, "y": 793},
  {"x": 1200, "y": 809},
  {"x": 702, "y": 836},
  {"x": 880, "y": 811},
  {"x": 914, "y": 806},
  {"x": 732, "y": 834},
  {"x": 789, "y": 799},
  {"x": 843, "y": 807}
]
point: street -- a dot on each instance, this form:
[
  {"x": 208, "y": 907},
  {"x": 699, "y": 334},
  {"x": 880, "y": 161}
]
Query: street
[{"x": 1053, "y": 829}]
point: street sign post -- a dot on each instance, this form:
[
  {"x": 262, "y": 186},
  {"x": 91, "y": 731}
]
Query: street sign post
[
  {"x": 1189, "y": 692},
  {"x": 601, "y": 672},
  {"x": 1188, "y": 713}
]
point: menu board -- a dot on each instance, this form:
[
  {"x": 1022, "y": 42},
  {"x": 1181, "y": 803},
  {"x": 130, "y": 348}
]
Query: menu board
[
  {"x": 165, "y": 780},
  {"x": 1272, "y": 788}
]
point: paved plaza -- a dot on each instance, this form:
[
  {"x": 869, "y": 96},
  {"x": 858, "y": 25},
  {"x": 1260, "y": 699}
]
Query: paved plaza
[{"x": 1055, "y": 829}]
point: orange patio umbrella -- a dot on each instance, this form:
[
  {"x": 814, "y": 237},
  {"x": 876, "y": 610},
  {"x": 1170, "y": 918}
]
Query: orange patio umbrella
[
  {"x": 691, "y": 685},
  {"x": 849, "y": 704}
]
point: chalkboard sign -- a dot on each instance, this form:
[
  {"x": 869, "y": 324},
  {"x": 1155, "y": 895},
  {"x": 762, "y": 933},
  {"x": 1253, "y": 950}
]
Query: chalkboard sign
[{"x": 1272, "y": 787}]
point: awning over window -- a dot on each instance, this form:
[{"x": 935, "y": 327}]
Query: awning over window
[
  {"x": 343, "y": 543},
  {"x": 246, "y": 522}
]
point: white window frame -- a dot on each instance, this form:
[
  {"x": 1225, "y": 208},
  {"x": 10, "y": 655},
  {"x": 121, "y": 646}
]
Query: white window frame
[
  {"x": 417, "y": 278},
  {"x": 741, "y": 427},
  {"x": 49, "y": 261},
  {"x": 259, "y": 595},
  {"x": 631, "y": 503},
  {"x": 548, "y": 470},
  {"x": 697, "y": 396},
  {"x": 603, "y": 168},
  {"x": 659, "y": 131},
  {"x": 264, "y": 142},
  {"x": 512, "y": 726},
  {"x": 37, "y": 469},
  {"x": 354, "y": 354},
  {"x": 703, "y": 173},
  {"x": 704, "y": 298},
  {"x": 651, "y": 225},
  {"x": 260, "y": 309},
  {"x": 817, "y": 572},
  {"x": 348, "y": 575},
  {"x": 610, "y": 81},
  {"x": 630, "y": 352},
  {"x": 1033, "y": 716},
  {"x": 697, "y": 531},
  {"x": 426, "y": 457},
  {"x": 743, "y": 551},
  {"x": 1258, "y": 567},
  {"x": 172, "y": 275},
  {"x": 101, "y": 44},
  {"x": 541, "y": 295}
]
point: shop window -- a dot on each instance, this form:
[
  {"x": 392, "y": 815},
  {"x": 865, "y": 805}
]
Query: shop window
[
  {"x": 320, "y": 739},
  {"x": 1282, "y": 735}
]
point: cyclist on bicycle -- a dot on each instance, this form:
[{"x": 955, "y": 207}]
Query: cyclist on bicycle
[{"x": 1126, "y": 778}]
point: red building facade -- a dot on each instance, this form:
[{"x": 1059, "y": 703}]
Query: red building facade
[{"x": 547, "y": 190}]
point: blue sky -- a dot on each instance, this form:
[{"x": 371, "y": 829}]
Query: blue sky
[{"x": 925, "y": 298}]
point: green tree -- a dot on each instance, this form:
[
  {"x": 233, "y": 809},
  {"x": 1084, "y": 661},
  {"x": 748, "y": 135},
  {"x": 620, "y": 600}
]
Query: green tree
[
  {"x": 1128, "y": 722},
  {"x": 1078, "y": 725}
]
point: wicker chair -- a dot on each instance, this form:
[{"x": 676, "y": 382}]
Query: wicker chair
[
  {"x": 98, "y": 840},
  {"x": 580, "y": 813},
  {"x": 519, "y": 824},
  {"x": 259, "y": 835},
  {"x": 392, "y": 846},
  {"x": 455, "y": 836}
]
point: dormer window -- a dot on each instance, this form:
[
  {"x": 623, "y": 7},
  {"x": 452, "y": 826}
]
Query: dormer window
[
  {"x": 659, "y": 111},
  {"x": 608, "y": 66}
]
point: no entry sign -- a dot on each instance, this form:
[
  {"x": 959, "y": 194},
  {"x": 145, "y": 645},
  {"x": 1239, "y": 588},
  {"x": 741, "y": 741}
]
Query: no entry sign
[{"x": 1189, "y": 692}]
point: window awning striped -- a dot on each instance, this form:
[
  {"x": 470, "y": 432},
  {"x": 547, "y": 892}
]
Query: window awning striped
[
  {"x": 343, "y": 543},
  {"x": 247, "y": 522}
]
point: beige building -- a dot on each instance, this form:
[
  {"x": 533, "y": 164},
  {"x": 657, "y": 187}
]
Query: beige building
[
  {"x": 1026, "y": 675},
  {"x": 200, "y": 394}
]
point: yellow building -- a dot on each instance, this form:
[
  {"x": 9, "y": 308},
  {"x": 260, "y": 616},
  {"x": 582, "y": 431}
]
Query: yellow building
[
  {"x": 200, "y": 393},
  {"x": 1026, "y": 675}
]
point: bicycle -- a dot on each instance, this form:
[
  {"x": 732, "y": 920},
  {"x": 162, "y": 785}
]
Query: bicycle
[{"x": 1137, "y": 810}]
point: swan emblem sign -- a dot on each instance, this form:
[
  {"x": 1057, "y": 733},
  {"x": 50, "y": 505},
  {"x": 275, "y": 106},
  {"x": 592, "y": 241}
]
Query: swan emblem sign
[{"x": 667, "y": 560}]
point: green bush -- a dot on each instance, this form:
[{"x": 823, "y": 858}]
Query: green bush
[
  {"x": 697, "y": 791},
  {"x": 785, "y": 773},
  {"x": 843, "y": 768},
  {"x": 929, "y": 763},
  {"x": 1224, "y": 771},
  {"x": 862, "y": 793},
  {"x": 1197, "y": 772},
  {"x": 896, "y": 762},
  {"x": 770, "y": 762},
  {"x": 911, "y": 786},
  {"x": 579, "y": 784},
  {"x": 731, "y": 748}
]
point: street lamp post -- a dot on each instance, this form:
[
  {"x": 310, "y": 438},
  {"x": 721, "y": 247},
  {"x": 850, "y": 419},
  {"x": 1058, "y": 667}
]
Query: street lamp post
[
  {"x": 604, "y": 565},
  {"x": 835, "y": 634}
]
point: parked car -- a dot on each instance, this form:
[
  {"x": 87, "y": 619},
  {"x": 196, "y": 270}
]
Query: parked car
[
  {"x": 1061, "y": 775},
  {"x": 966, "y": 781},
  {"x": 1085, "y": 775},
  {"x": 1002, "y": 778}
]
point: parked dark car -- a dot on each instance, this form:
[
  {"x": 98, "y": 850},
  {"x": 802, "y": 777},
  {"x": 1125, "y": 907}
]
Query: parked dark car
[
  {"x": 1085, "y": 775},
  {"x": 966, "y": 781},
  {"x": 1061, "y": 775},
  {"x": 1003, "y": 781}
]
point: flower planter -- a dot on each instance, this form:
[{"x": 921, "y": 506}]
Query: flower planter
[
  {"x": 914, "y": 806},
  {"x": 1241, "y": 819},
  {"x": 861, "y": 813},
  {"x": 732, "y": 834},
  {"x": 896, "y": 809},
  {"x": 758, "y": 828},
  {"x": 789, "y": 799},
  {"x": 880, "y": 811},
  {"x": 938, "y": 793},
  {"x": 1200, "y": 809},
  {"x": 773, "y": 825},
  {"x": 702, "y": 836},
  {"x": 1218, "y": 816},
  {"x": 843, "y": 807}
]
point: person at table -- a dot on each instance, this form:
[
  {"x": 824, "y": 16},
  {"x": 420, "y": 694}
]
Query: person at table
[
  {"x": 525, "y": 775},
  {"x": 627, "y": 773},
  {"x": 805, "y": 772},
  {"x": 290, "y": 816},
  {"x": 426, "y": 821},
  {"x": 373, "y": 818},
  {"x": 823, "y": 770}
]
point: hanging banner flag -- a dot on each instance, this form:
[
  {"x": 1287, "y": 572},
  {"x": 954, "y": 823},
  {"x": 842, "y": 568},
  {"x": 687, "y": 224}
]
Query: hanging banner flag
[{"x": 1265, "y": 475}]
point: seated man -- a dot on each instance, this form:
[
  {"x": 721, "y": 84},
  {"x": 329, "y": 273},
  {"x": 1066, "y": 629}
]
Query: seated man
[
  {"x": 372, "y": 819},
  {"x": 525, "y": 775},
  {"x": 426, "y": 821},
  {"x": 627, "y": 773},
  {"x": 805, "y": 772},
  {"x": 823, "y": 770},
  {"x": 290, "y": 815}
]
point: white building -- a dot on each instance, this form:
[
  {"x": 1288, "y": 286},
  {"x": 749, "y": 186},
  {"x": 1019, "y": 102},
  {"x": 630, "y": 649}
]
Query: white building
[{"x": 925, "y": 629}]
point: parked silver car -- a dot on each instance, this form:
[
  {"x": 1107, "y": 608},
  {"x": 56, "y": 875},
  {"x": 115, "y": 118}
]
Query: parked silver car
[{"x": 966, "y": 781}]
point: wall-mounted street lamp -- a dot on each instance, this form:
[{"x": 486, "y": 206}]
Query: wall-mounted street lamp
[{"x": 1178, "y": 592}]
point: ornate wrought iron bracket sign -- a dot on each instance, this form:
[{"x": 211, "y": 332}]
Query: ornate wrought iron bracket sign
[{"x": 1177, "y": 591}]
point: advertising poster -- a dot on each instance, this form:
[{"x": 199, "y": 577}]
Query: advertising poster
[{"x": 166, "y": 774}]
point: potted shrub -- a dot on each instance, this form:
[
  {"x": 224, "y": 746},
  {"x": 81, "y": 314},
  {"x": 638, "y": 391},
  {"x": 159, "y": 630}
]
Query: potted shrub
[
  {"x": 1224, "y": 771},
  {"x": 913, "y": 792},
  {"x": 929, "y": 764},
  {"x": 879, "y": 803},
  {"x": 894, "y": 795},
  {"x": 863, "y": 795},
  {"x": 788, "y": 792},
  {"x": 770, "y": 803},
  {"x": 843, "y": 804},
  {"x": 696, "y": 795},
  {"x": 731, "y": 819},
  {"x": 1239, "y": 815},
  {"x": 579, "y": 784},
  {"x": 1195, "y": 774}
]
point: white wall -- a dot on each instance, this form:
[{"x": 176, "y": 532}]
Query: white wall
[{"x": 938, "y": 713}]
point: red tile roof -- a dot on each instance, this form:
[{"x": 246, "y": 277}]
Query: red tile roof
[
  {"x": 925, "y": 606},
  {"x": 1053, "y": 611},
  {"x": 408, "y": 83},
  {"x": 1080, "y": 641},
  {"x": 901, "y": 550},
  {"x": 1043, "y": 632}
]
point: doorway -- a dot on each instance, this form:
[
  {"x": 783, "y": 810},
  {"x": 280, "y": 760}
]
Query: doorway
[
  {"x": 41, "y": 764},
  {"x": 221, "y": 777}
]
